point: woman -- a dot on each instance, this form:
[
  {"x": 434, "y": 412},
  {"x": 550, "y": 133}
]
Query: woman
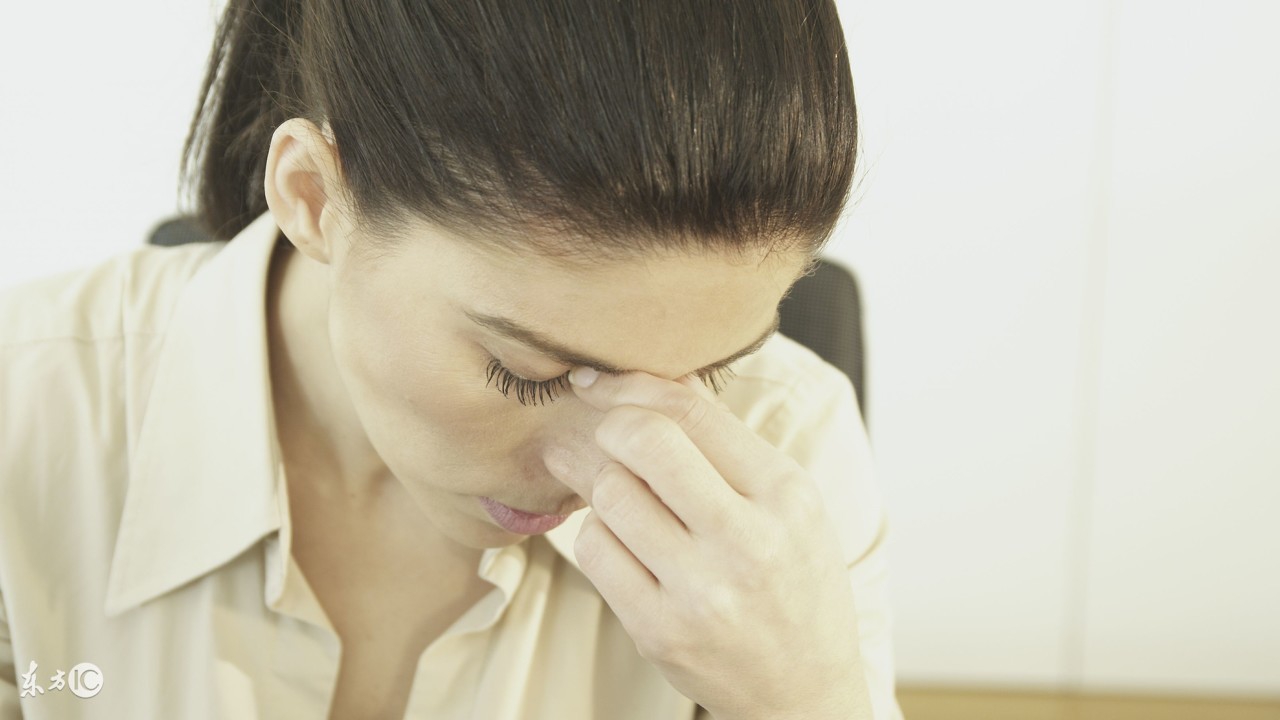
[{"x": 476, "y": 407}]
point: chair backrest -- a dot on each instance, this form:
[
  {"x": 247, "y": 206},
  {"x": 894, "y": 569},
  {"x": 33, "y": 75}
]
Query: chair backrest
[
  {"x": 178, "y": 230},
  {"x": 823, "y": 311}
]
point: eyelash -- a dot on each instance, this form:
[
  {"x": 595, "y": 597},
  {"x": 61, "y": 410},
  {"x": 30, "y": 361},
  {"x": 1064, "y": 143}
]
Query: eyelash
[{"x": 540, "y": 392}]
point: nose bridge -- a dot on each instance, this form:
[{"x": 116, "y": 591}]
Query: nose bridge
[
  {"x": 571, "y": 440},
  {"x": 574, "y": 435}
]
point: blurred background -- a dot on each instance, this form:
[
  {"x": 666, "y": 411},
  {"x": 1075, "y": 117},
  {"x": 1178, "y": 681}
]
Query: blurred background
[{"x": 1067, "y": 232}]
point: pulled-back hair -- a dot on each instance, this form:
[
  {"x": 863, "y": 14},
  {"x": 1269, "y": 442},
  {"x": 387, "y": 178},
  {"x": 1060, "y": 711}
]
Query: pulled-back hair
[{"x": 605, "y": 127}]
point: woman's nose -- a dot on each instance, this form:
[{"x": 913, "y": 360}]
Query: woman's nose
[{"x": 574, "y": 459}]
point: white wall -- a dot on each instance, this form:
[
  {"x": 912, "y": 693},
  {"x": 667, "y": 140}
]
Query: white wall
[
  {"x": 972, "y": 240},
  {"x": 95, "y": 99},
  {"x": 1066, "y": 236},
  {"x": 1068, "y": 240},
  {"x": 1184, "y": 540}
]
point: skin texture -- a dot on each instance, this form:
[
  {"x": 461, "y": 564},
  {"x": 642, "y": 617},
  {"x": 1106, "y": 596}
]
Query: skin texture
[
  {"x": 711, "y": 546},
  {"x": 381, "y": 377}
]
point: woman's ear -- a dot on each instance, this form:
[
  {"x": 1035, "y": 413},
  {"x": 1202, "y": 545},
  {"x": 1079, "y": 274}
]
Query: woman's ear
[{"x": 301, "y": 184}]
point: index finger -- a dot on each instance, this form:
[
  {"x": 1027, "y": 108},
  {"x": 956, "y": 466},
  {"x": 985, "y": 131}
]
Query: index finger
[{"x": 746, "y": 461}]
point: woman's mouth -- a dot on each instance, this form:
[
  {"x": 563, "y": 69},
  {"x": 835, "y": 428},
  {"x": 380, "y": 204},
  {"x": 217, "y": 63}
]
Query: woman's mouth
[{"x": 519, "y": 521}]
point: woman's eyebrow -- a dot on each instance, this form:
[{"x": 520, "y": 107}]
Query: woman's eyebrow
[{"x": 554, "y": 350}]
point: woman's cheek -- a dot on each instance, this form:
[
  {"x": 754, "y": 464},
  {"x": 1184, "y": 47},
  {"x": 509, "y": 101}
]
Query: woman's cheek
[{"x": 453, "y": 404}]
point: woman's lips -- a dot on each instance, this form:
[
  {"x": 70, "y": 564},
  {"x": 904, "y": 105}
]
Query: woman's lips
[{"x": 519, "y": 521}]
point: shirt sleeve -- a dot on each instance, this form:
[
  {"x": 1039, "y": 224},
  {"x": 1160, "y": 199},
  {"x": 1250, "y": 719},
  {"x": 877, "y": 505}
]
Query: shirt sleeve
[
  {"x": 9, "y": 707},
  {"x": 821, "y": 427}
]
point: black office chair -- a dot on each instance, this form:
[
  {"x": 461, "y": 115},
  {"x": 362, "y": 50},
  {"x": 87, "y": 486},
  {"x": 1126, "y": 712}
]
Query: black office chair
[{"x": 823, "y": 312}]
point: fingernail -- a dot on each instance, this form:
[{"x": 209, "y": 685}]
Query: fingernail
[{"x": 583, "y": 376}]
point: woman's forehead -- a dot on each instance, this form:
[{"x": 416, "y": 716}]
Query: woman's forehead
[
  {"x": 668, "y": 316},
  {"x": 511, "y": 284}
]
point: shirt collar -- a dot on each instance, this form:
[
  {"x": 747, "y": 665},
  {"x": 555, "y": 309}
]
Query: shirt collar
[{"x": 203, "y": 476}]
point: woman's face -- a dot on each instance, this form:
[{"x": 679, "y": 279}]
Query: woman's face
[
  {"x": 391, "y": 361},
  {"x": 415, "y": 339}
]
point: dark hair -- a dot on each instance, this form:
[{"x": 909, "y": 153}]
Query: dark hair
[{"x": 613, "y": 127}]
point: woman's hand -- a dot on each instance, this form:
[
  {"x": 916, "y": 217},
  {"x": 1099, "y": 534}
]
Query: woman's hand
[{"x": 715, "y": 552}]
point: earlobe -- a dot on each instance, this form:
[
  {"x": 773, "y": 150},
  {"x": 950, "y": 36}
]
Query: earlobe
[{"x": 295, "y": 183}]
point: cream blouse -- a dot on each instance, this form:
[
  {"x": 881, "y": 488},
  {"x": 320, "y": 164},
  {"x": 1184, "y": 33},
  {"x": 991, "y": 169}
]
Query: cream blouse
[{"x": 145, "y": 563}]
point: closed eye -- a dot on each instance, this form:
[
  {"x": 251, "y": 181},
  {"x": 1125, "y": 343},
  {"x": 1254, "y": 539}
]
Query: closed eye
[{"x": 541, "y": 392}]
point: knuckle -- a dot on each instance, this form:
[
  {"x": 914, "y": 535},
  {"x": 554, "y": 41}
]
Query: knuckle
[
  {"x": 689, "y": 409},
  {"x": 806, "y": 500},
  {"x": 661, "y": 648},
  {"x": 635, "y": 430},
  {"x": 720, "y": 524},
  {"x": 586, "y": 546},
  {"x": 610, "y": 492},
  {"x": 719, "y": 606},
  {"x": 754, "y": 552},
  {"x": 797, "y": 498}
]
